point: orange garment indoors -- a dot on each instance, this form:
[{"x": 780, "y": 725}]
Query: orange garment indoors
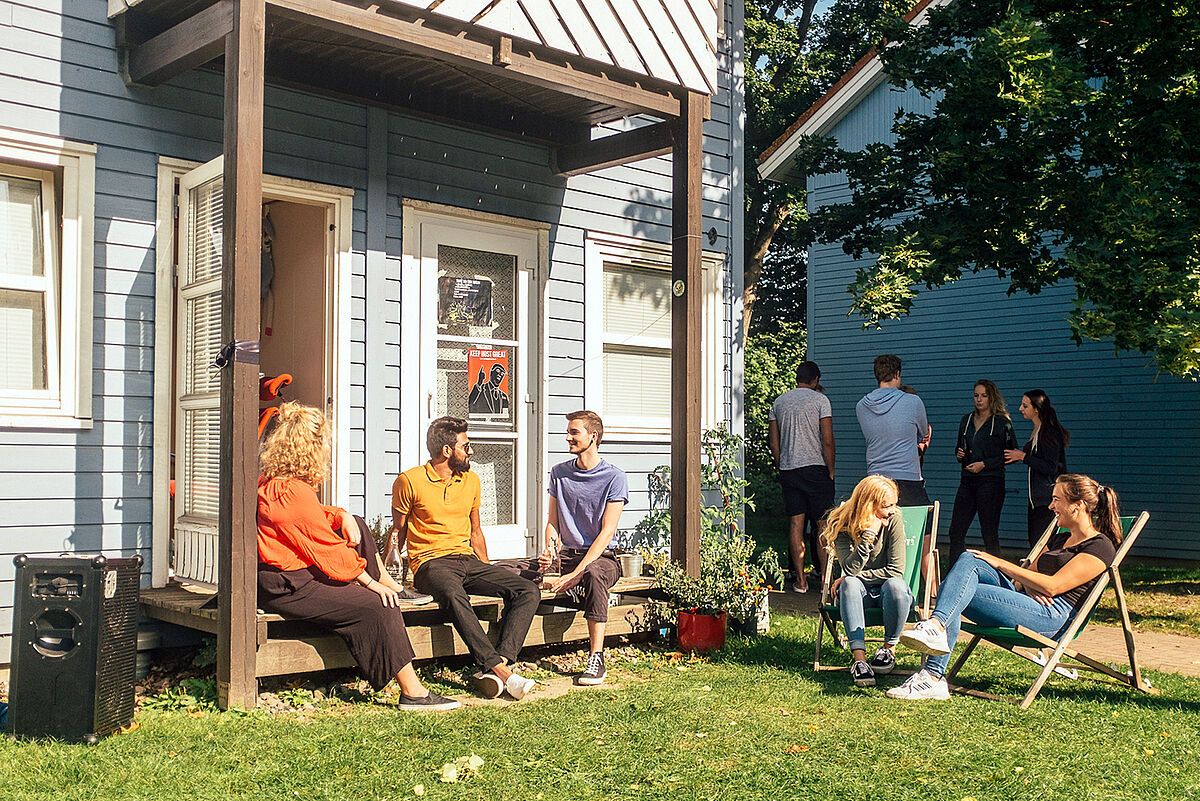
[
  {"x": 439, "y": 512},
  {"x": 295, "y": 531}
]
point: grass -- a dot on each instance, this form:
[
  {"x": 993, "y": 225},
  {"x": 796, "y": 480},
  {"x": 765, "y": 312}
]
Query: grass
[
  {"x": 1163, "y": 599},
  {"x": 751, "y": 722}
]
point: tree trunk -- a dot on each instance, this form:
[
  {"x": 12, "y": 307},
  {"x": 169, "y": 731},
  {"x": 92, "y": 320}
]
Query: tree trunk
[{"x": 756, "y": 251}]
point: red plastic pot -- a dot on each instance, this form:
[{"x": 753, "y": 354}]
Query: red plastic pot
[{"x": 699, "y": 632}]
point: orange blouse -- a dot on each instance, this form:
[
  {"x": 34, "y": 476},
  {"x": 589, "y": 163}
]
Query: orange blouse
[{"x": 295, "y": 531}]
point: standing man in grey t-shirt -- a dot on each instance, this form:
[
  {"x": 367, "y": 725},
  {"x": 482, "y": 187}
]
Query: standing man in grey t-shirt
[
  {"x": 587, "y": 495},
  {"x": 800, "y": 436}
]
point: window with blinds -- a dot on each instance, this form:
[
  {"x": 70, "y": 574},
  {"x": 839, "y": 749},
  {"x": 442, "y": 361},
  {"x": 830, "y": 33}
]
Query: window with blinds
[
  {"x": 28, "y": 284},
  {"x": 637, "y": 341}
]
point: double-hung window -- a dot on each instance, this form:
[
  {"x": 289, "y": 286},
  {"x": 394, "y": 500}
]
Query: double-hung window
[
  {"x": 628, "y": 374},
  {"x": 46, "y": 188}
]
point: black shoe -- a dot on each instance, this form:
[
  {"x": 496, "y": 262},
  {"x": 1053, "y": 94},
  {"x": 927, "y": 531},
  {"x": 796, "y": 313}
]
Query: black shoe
[
  {"x": 432, "y": 703},
  {"x": 883, "y": 662},
  {"x": 862, "y": 674},
  {"x": 488, "y": 684},
  {"x": 594, "y": 673},
  {"x": 414, "y": 597}
]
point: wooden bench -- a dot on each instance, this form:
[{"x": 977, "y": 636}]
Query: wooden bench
[{"x": 290, "y": 646}]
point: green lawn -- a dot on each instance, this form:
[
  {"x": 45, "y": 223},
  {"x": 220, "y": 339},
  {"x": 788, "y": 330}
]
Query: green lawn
[
  {"x": 752, "y": 722},
  {"x": 1160, "y": 599}
]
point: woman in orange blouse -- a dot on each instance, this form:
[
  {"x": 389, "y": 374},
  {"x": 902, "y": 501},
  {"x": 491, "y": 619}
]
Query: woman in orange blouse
[{"x": 319, "y": 564}]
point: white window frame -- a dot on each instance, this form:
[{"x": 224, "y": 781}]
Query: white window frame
[
  {"x": 67, "y": 401},
  {"x": 601, "y": 249}
]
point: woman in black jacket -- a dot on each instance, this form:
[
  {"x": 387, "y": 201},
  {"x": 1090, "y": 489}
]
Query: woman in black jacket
[
  {"x": 1044, "y": 454},
  {"x": 984, "y": 436}
]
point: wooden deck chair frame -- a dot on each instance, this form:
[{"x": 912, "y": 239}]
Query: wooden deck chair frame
[
  {"x": 921, "y": 580},
  {"x": 1021, "y": 637}
]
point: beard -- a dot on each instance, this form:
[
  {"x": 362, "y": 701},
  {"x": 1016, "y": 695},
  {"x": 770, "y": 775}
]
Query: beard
[{"x": 458, "y": 465}]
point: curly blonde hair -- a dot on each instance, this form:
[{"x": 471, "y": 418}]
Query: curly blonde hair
[
  {"x": 851, "y": 517},
  {"x": 298, "y": 446}
]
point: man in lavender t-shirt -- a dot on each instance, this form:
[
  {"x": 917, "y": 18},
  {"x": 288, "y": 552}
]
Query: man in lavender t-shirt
[{"x": 587, "y": 495}]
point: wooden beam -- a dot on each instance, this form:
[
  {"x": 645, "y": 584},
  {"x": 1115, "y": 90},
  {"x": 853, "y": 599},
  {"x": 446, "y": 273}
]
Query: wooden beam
[
  {"x": 237, "y": 639},
  {"x": 610, "y": 151},
  {"x": 686, "y": 331},
  {"x": 195, "y": 41},
  {"x": 477, "y": 56}
]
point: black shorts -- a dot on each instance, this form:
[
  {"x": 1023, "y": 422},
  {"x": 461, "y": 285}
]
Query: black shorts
[{"x": 807, "y": 491}]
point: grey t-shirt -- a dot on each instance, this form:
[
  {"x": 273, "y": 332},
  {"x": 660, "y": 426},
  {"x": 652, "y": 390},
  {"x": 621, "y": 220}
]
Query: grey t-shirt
[
  {"x": 582, "y": 496},
  {"x": 798, "y": 413}
]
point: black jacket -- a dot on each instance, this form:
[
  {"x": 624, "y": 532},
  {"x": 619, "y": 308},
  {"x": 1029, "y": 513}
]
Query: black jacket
[
  {"x": 987, "y": 445},
  {"x": 1046, "y": 463}
]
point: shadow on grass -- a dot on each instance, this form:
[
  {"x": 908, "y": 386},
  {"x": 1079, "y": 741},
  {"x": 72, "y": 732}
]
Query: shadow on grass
[{"x": 1011, "y": 678}]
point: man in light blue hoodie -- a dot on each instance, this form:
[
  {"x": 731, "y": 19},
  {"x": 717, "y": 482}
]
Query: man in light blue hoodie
[{"x": 894, "y": 424}]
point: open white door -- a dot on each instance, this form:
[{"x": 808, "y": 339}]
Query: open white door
[{"x": 198, "y": 395}]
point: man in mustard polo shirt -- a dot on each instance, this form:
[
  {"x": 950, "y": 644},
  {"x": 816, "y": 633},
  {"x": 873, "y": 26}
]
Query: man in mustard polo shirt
[{"x": 435, "y": 506}]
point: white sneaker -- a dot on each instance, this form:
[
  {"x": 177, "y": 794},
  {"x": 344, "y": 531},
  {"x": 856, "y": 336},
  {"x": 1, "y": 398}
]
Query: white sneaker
[
  {"x": 518, "y": 686},
  {"x": 1039, "y": 656},
  {"x": 927, "y": 637},
  {"x": 921, "y": 686}
]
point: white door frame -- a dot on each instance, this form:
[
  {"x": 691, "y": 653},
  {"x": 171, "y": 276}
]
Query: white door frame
[
  {"x": 339, "y": 204},
  {"x": 418, "y": 331}
]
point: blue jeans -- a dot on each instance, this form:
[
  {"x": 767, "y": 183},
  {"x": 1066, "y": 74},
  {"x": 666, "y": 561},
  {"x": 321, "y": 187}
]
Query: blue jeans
[
  {"x": 989, "y": 598},
  {"x": 854, "y": 595}
]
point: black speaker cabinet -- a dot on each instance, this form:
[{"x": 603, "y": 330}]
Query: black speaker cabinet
[{"x": 74, "y": 649}]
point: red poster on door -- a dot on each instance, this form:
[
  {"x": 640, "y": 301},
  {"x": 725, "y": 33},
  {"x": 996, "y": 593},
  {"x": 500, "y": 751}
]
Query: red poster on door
[{"x": 488, "y": 372}]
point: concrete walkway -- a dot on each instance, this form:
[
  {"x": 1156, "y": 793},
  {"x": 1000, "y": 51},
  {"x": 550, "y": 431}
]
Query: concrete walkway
[{"x": 1169, "y": 653}]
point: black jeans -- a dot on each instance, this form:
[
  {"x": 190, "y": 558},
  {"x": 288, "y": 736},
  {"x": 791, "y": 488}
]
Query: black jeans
[
  {"x": 451, "y": 580},
  {"x": 1037, "y": 518},
  {"x": 977, "y": 494}
]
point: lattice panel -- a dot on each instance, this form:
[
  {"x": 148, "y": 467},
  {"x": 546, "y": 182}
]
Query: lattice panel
[{"x": 495, "y": 463}]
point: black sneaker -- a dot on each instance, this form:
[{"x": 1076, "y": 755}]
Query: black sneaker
[
  {"x": 488, "y": 684},
  {"x": 414, "y": 597},
  {"x": 431, "y": 703},
  {"x": 862, "y": 674},
  {"x": 594, "y": 673},
  {"x": 883, "y": 661}
]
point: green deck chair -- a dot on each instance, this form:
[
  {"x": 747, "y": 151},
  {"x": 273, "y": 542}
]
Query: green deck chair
[
  {"x": 920, "y": 536},
  {"x": 1021, "y": 637}
]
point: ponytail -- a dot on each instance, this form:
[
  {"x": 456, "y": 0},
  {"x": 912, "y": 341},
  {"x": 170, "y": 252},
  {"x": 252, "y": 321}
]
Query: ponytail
[{"x": 1100, "y": 501}]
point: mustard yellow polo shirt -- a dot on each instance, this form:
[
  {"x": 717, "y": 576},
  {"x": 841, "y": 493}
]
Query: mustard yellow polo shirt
[{"x": 439, "y": 512}]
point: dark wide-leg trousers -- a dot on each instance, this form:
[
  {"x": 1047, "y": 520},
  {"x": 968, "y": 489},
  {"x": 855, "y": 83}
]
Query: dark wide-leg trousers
[
  {"x": 452, "y": 580},
  {"x": 977, "y": 494},
  {"x": 374, "y": 633}
]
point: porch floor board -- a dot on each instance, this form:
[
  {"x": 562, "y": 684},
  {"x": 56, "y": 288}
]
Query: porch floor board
[{"x": 288, "y": 646}]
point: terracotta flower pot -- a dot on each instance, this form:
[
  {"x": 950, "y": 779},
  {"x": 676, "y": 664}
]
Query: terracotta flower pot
[{"x": 699, "y": 632}]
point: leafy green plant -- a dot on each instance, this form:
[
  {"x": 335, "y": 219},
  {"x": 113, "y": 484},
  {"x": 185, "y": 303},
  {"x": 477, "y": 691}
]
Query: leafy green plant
[{"x": 191, "y": 695}]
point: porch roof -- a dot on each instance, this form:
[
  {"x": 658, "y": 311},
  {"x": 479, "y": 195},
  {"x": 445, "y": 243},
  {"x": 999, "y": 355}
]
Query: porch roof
[{"x": 428, "y": 60}]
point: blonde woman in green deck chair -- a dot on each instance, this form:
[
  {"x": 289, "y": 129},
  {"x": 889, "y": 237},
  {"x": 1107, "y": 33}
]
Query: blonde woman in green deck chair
[{"x": 1041, "y": 597}]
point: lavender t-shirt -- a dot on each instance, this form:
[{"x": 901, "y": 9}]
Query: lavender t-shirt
[{"x": 582, "y": 497}]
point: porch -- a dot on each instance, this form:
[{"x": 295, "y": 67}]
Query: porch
[
  {"x": 285, "y": 646},
  {"x": 549, "y": 80}
]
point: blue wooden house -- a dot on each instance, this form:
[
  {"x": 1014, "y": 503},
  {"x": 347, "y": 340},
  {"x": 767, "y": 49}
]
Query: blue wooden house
[
  {"x": 384, "y": 201},
  {"x": 1130, "y": 427}
]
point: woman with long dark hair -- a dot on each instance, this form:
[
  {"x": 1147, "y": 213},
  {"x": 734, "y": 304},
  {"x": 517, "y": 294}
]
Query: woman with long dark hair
[
  {"x": 984, "y": 435},
  {"x": 320, "y": 564},
  {"x": 1042, "y": 597},
  {"x": 1045, "y": 454}
]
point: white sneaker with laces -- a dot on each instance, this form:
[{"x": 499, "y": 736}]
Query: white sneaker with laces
[
  {"x": 927, "y": 637},
  {"x": 518, "y": 686},
  {"x": 921, "y": 686}
]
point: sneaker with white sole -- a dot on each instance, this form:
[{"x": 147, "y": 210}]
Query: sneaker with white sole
[
  {"x": 883, "y": 661},
  {"x": 430, "y": 703},
  {"x": 921, "y": 686},
  {"x": 518, "y": 686},
  {"x": 594, "y": 673},
  {"x": 488, "y": 684},
  {"x": 862, "y": 674},
  {"x": 927, "y": 637},
  {"x": 415, "y": 597}
]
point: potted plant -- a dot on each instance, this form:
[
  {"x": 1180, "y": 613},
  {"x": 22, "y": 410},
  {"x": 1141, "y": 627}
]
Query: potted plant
[{"x": 733, "y": 583}]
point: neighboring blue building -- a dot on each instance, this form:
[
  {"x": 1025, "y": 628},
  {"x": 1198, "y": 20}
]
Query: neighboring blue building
[
  {"x": 1130, "y": 427},
  {"x": 422, "y": 228}
]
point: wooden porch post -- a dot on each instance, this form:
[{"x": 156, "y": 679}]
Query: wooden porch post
[
  {"x": 686, "y": 295},
  {"x": 242, "y": 236}
]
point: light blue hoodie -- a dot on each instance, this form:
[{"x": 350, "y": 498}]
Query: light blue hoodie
[{"x": 893, "y": 422}]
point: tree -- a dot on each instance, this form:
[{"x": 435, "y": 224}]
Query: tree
[
  {"x": 1062, "y": 147},
  {"x": 792, "y": 57}
]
